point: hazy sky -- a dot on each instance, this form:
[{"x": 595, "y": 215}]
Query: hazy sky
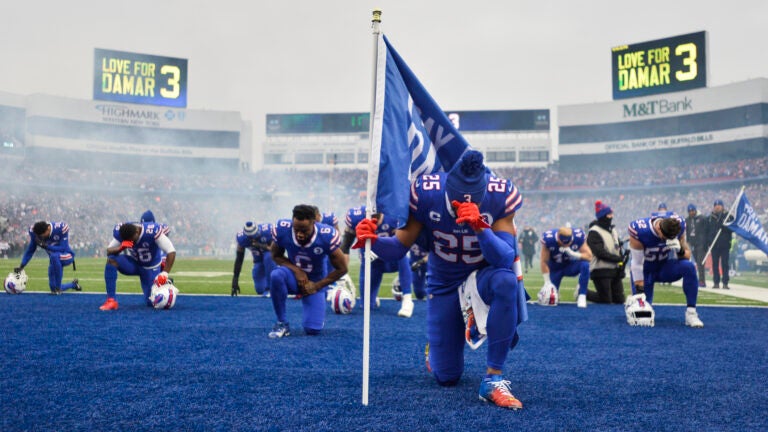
[{"x": 286, "y": 56}]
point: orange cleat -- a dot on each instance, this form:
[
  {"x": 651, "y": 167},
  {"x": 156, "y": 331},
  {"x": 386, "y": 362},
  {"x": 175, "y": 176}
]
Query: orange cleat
[
  {"x": 496, "y": 390},
  {"x": 110, "y": 304}
]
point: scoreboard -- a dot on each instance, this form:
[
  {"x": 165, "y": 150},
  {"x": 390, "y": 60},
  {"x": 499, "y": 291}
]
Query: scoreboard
[
  {"x": 665, "y": 65},
  {"x": 278, "y": 124},
  {"x": 120, "y": 76},
  {"x": 466, "y": 121}
]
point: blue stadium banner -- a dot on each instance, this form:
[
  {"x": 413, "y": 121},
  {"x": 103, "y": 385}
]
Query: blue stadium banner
[
  {"x": 747, "y": 225},
  {"x": 121, "y": 76},
  {"x": 410, "y": 135}
]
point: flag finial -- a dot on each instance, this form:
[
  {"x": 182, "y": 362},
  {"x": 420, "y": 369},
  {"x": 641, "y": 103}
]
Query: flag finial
[{"x": 376, "y": 16}]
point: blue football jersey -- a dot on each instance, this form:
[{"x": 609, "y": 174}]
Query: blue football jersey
[
  {"x": 145, "y": 250},
  {"x": 57, "y": 242},
  {"x": 329, "y": 219},
  {"x": 549, "y": 241},
  {"x": 655, "y": 247},
  {"x": 309, "y": 257},
  {"x": 455, "y": 248},
  {"x": 386, "y": 228},
  {"x": 258, "y": 243}
]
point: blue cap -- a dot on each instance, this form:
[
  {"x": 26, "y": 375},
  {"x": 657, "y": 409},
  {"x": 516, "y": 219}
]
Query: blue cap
[
  {"x": 602, "y": 209},
  {"x": 719, "y": 202},
  {"x": 691, "y": 207},
  {"x": 662, "y": 205},
  {"x": 147, "y": 216},
  {"x": 467, "y": 177}
]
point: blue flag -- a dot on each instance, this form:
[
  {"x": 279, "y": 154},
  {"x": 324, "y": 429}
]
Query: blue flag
[
  {"x": 747, "y": 225},
  {"x": 410, "y": 135}
]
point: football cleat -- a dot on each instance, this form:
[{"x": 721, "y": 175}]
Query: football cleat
[
  {"x": 281, "y": 329},
  {"x": 397, "y": 293},
  {"x": 76, "y": 286},
  {"x": 472, "y": 334},
  {"x": 56, "y": 291},
  {"x": 581, "y": 301},
  {"x": 495, "y": 389},
  {"x": 692, "y": 319},
  {"x": 426, "y": 358},
  {"x": 110, "y": 304},
  {"x": 406, "y": 309}
]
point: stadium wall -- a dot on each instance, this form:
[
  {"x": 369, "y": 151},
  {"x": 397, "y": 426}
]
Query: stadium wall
[
  {"x": 94, "y": 134},
  {"x": 699, "y": 126}
]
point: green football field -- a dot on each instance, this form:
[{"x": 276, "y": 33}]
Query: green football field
[{"x": 214, "y": 276}]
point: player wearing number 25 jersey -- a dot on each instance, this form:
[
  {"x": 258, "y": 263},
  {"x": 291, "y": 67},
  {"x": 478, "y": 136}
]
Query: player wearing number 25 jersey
[
  {"x": 468, "y": 218},
  {"x": 300, "y": 247}
]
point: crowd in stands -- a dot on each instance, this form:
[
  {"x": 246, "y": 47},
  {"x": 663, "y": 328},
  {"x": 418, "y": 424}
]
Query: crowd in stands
[{"x": 204, "y": 211}]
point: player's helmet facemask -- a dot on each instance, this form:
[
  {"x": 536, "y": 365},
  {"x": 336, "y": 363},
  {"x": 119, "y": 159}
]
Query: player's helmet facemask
[{"x": 467, "y": 179}]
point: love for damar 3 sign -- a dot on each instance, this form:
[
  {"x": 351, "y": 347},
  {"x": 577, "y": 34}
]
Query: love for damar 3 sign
[
  {"x": 666, "y": 65},
  {"x": 139, "y": 78}
]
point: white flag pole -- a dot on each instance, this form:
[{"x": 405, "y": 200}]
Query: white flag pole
[
  {"x": 730, "y": 213},
  {"x": 376, "y": 22}
]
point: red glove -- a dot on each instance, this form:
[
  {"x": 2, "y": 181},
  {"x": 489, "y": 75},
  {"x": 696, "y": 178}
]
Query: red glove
[
  {"x": 365, "y": 230},
  {"x": 469, "y": 212},
  {"x": 126, "y": 244},
  {"x": 161, "y": 279}
]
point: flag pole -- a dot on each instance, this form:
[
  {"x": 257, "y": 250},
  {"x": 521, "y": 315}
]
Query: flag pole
[
  {"x": 375, "y": 23},
  {"x": 730, "y": 213}
]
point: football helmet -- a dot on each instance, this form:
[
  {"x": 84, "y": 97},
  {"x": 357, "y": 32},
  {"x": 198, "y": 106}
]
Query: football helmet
[
  {"x": 15, "y": 283},
  {"x": 164, "y": 296},
  {"x": 397, "y": 293},
  {"x": 342, "y": 301},
  {"x": 639, "y": 312},
  {"x": 548, "y": 295}
]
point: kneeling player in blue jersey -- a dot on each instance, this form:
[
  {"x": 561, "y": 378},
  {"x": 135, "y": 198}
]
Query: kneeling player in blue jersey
[
  {"x": 53, "y": 238},
  {"x": 564, "y": 252},
  {"x": 660, "y": 254},
  {"x": 385, "y": 227},
  {"x": 468, "y": 216},
  {"x": 136, "y": 249},
  {"x": 307, "y": 244},
  {"x": 258, "y": 240}
]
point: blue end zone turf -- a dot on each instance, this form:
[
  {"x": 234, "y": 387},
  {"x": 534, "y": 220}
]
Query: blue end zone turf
[{"x": 208, "y": 365}]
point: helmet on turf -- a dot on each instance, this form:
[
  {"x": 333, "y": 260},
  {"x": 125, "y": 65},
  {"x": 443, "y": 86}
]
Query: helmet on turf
[
  {"x": 164, "y": 296},
  {"x": 342, "y": 301},
  {"x": 397, "y": 293},
  {"x": 548, "y": 295},
  {"x": 15, "y": 283},
  {"x": 639, "y": 311}
]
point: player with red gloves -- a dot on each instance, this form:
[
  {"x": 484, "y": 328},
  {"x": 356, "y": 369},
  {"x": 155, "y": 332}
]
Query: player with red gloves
[
  {"x": 136, "y": 249},
  {"x": 467, "y": 216}
]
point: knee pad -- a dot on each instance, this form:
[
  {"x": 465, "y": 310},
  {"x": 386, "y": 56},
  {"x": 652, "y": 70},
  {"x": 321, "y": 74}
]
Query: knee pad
[{"x": 451, "y": 382}]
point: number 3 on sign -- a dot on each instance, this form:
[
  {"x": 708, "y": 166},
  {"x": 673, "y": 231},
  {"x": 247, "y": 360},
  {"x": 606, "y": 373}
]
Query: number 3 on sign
[
  {"x": 173, "y": 81},
  {"x": 689, "y": 60}
]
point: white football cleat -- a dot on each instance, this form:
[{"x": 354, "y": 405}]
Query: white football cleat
[
  {"x": 692, "y": 319},
  {"x": 581, "y": 301},
  {"x": 406, "y": 310}
]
